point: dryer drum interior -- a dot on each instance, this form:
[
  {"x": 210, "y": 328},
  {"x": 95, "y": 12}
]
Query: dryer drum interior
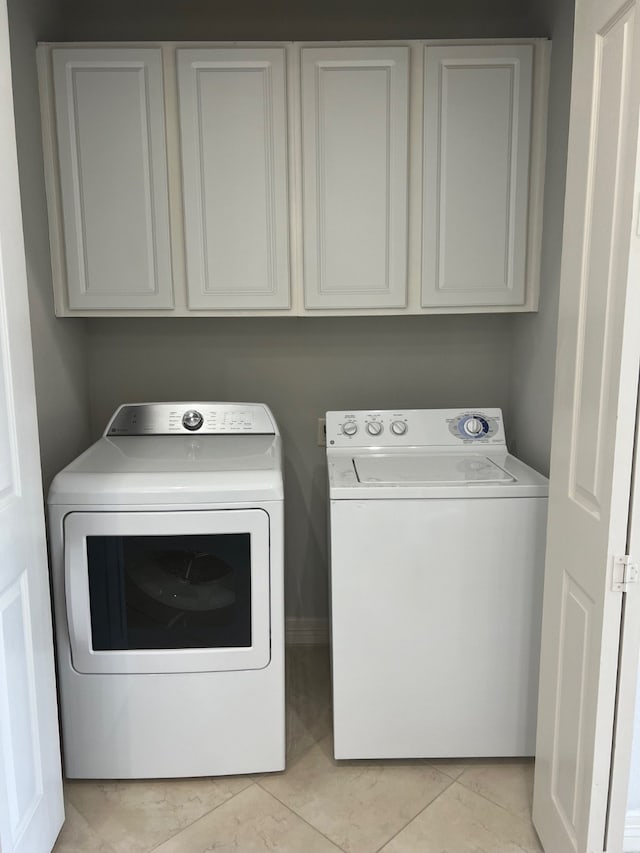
[{"x": 162, "y": 592}]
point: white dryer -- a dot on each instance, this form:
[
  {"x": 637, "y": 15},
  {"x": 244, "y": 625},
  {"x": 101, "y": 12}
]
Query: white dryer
[
  {"x": 437, "y": 556},
  {"x": 167, "y": 563}
]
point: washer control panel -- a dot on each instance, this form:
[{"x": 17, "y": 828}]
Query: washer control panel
[
  {"x": 191, "y": 418},
  {"x": 415, "y": 428}
]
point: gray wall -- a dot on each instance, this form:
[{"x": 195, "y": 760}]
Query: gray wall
[
  {"x": 294, "y": 19},
  {"x": 534, "y": 335},
  {"x": 59, "y": 346},
  {"x": 302, "y": 368}
]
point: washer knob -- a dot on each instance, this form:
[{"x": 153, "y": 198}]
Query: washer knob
[
  {"x": 473, "y": 426},
  {"x": 349, "y": 427},
  {"x": 374, "y": 427},
  {"x": 399, "y": 427},
  {"x": 192, "y": 420}
]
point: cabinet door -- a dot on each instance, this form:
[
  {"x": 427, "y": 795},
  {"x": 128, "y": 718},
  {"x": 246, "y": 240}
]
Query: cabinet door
[
  {"x": 109, "y": 106},
  {"x": 234, "y": 163},
  {"x": 476, "y": 174},
  {"x": 354, "y": 164}
]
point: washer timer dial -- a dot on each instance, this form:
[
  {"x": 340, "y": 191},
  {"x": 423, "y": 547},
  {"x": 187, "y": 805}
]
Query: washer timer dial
[
  {"x": 349, "y": 428},
  {"x": 473, "y": 426}
]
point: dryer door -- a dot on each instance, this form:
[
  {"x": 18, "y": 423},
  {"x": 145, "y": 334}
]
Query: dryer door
[{"x": 151, "y": 592}]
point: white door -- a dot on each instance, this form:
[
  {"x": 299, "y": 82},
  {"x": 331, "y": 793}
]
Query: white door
[
  {"x": 477, "y": 134},
  {"x": 355, "y": 107},
  {"x": 31, "y": 808},
  {"x": 113, "y": 177},
  {"x": 593, "y": 432},
  {"x": 623, "y": 824},
  {"x": 233, "y": 125}
]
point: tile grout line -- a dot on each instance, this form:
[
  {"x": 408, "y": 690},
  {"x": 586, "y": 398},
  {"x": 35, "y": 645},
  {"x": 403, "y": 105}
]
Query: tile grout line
[
  {"x": 388, "y": 840},
  {"x": 252, "y": 781},
  {"x": 93, "y": 831},
  {"x": 416, "y": 816},
  {"x": 299, "y": 758},
  {"x": 520, "y": 817},
  {"x": 303, "y": 819},
  {"x": 524, "y": 819},
  {"x": 444, "y": 772},
  {"x": 197, "y": 820}
]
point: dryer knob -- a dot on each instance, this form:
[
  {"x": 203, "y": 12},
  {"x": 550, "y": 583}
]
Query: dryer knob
[
  {"x": 349, "y": 427},
  {"x": 399, "y": 427},
  {"x": 192, "y": 420}
]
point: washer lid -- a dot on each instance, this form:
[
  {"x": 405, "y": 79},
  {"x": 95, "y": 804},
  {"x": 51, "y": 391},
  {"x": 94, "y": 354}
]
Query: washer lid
[
  {"x": 415, "y": 474},
  {"x": 428, "y": 469}
]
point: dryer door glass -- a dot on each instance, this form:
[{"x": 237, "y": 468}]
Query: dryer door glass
[{"x": 170, "y": 592}]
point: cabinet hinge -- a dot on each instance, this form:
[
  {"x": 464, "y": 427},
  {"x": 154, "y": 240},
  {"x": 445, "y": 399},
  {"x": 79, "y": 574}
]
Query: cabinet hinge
[{"x": 625, "y": 573}]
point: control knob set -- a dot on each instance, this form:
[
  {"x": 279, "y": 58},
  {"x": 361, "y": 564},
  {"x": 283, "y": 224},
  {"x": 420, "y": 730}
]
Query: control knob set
[
  {"x": 474, "y": 426},
  {"x": 375, "y": 428}
]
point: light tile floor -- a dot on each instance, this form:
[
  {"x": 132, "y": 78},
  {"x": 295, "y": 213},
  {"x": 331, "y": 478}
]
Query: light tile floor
[{"x": 317, "y": 805}]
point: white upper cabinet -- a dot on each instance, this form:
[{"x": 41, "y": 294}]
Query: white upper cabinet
[
  {"x": 476, "y": 150},
  {"x": 109, "y": 118},
  {"x": 295, "y": 179},
  {"x": 355, "y": 107},
  {"x": 233, "y": 130}
]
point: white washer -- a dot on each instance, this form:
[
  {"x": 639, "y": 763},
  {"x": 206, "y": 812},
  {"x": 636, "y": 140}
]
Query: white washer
[
  {"x": 437, "y": 553},
  {"x": 167, "y": 562}
]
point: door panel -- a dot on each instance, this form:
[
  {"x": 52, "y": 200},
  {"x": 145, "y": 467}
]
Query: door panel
[
  {"x": 31, "y": 806},
  {"x": 234, "y": 161},
  {"x": 593, "y": 433},
  {"x": 597, "y": 364},
  {"x": 477, "y": 117},
  {"x": 113, "y": 177},
  {"x": 7, "y": 420},
  {"x": 22, "y": 771},
  {"x": 354, "y": 160},
  {"x": 576, "y": 617}
]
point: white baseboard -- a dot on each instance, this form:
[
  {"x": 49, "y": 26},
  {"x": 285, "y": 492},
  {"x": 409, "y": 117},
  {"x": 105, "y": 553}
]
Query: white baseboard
[
  {"x": 632, "y": 832},
  {"x": 301, "y": 631}
]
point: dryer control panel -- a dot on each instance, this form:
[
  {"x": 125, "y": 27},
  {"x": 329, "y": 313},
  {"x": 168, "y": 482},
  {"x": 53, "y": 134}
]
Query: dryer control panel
[
  {"x": 415, "y": 428},
  {"x": 191, "y": 418}
]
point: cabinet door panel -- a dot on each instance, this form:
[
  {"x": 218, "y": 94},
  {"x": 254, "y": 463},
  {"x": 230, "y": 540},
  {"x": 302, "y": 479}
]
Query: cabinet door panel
[
  {"x": 355, "y": 126},
  {"x": 234, "y": 162},
  {"x": 109, "y": 107},
  {"x": 476, "y": 173}
]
